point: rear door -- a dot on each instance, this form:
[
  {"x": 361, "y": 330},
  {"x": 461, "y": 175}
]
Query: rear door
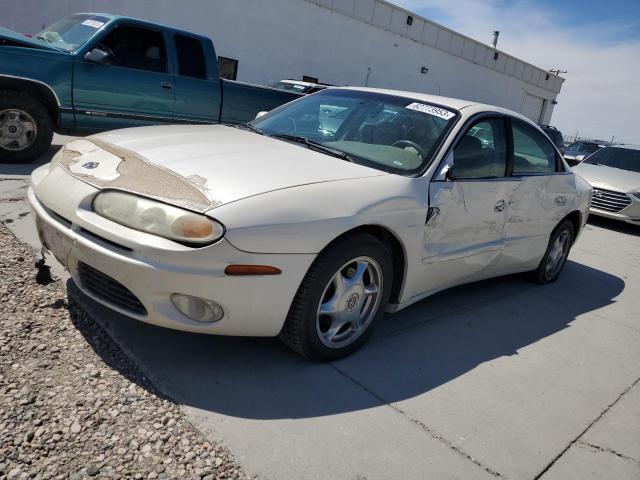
[
  {"x": 463, "y": 237},
  {"x": 136, "y": 88},
  {"x": 197, "y": 86},
  {"x": 545, "y": 195}
]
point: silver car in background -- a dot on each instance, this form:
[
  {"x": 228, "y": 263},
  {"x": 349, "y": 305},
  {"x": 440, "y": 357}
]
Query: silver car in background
[{"x": 614, "y": 174}]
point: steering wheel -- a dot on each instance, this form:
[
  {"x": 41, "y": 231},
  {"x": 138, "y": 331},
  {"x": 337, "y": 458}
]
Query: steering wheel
[{"x": 409, "y": 143}]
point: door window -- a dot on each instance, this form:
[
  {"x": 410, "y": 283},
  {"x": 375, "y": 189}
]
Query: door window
[
  {"x": 191, "y": 61},
  {"x": 228, "y": 68},
  {"x": 532, "y": 151},
  {"x": 482, "y": 152},
  {"x": 135, "y": 47}
]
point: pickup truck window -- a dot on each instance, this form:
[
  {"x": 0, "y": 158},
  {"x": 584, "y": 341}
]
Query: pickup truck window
[
  {"x": 191, "y": 61},
  {"x": 228, "y": 68},
  {"x": 135, "y": 47},
  {"x": 72, "y": 32}
]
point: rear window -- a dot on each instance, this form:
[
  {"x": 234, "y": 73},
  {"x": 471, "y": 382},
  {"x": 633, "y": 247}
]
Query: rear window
[{"x": 191, "y": 61}]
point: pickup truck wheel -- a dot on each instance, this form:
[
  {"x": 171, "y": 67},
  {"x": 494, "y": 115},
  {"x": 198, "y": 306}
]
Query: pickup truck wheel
[
  {"x": 26, "y": 129},
  {"x": 341, "y": 299}
]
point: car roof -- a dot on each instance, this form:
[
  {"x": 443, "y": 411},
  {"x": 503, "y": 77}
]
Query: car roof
[
  {"x": 147, "y": 23},
  {"x": 455, "y": 103},
  {"x": 299, "y": 82},
  {"x": 628, "y": 147}
]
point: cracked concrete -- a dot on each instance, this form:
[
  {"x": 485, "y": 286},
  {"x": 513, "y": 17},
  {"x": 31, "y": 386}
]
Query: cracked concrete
[{"x": 497, "y": 379}]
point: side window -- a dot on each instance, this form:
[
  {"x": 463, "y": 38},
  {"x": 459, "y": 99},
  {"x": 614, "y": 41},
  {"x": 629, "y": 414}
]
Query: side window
[
  {"x": 135, "y": 47},
  {"x": 228, "y": 68},
  {"x": 482, "y": 152},
  {"x": 191, "y": 61},
  {"x": 532, "y": 151}
]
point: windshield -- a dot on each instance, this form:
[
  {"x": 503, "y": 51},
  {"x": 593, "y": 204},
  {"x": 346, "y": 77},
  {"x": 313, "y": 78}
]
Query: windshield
[
  {"x": 622, "y": 158},
  {"x": 582, "y": 148},
  {"x": 387, "y": 132},
  {"x": 289, "y": 87},
  {"x": 72, "y": 32}
]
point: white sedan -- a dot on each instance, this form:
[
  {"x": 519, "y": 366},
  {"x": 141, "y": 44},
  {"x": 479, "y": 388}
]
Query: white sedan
[{"x": 311, "y": 221}]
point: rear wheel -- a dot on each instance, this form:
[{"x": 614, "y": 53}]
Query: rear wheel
[
  {"x": 26, "y": 129},
  {"x": 556, "y": 255},
  {"x": 341, "y": 299}
]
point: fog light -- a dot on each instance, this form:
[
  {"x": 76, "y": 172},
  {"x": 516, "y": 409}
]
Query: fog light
[{"x": 197, "y": 309}]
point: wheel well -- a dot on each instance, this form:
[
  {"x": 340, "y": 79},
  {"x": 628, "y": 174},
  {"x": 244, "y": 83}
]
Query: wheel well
[
  {"x": 576, "y": 219},
  {"x": 396, "y": 250},
  {"x": 39, "y": 91}
]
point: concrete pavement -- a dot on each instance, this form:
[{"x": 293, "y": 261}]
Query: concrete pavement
[{"x": 501, "y": 379}]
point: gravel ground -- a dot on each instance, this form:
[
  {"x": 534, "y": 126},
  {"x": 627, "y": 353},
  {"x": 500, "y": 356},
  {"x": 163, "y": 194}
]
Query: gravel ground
[{"x": 72, "y": 405}]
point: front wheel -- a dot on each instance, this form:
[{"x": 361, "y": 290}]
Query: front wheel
[
  {"x": 26, "y": 129},
  {"x": 556, "y": 255},
  {"x": 341, "y": 299}
]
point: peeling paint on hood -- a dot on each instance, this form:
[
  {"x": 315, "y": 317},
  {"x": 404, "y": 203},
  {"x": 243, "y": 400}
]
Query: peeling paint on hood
[{"x": 107, "y": 166}]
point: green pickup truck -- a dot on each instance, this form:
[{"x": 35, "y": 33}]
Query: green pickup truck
[{"x": 94, "y": 72}]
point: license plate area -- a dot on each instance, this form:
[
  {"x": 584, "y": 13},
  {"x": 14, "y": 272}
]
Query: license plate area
[{"x": 54, "y": 241}]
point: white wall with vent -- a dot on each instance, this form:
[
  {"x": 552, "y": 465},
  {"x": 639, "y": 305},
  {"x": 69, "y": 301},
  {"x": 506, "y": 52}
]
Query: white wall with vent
[{"x": 342, "y": 42}]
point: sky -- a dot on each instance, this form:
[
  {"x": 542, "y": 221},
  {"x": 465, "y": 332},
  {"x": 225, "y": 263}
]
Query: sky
[{"x": 596, "y": 42}]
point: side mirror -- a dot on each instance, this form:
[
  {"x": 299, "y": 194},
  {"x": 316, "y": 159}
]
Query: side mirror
[
  {"x": 261, "y": 114},
  {"x": 98, "y": 56},
  {"x": 451, "y": 174}
]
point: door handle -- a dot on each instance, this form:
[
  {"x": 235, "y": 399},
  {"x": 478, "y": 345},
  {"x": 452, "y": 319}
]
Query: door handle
[
  {"x": 166, "y": 85},
  {"x": 561, "y": 200},
  {"x": 500, "y": 206}
]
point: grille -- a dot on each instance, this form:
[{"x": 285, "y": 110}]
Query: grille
[
  {"x": 609, "y": 201},
  {"x": 107, "y": 289}
]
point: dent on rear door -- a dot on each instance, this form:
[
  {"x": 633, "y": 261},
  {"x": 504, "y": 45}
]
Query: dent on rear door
[{"x": 534, "y": 210}]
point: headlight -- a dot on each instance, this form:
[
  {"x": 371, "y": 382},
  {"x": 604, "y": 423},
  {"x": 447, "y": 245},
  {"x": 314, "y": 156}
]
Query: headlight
[
  {"x": 157, "y": 218},
  {"x": 55, "y": 160}
]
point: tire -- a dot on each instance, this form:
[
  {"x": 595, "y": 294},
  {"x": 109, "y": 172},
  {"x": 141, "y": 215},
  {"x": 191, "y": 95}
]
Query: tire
[
  {"x": 31, "y": 112},
  {"x": 563, "y": 235},
  {"x": 307, "y": 329}
]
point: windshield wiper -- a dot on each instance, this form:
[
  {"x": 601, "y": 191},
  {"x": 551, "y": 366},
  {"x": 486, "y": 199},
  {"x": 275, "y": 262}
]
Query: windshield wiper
[
  {"x": 311, "y": 145},
  {"x": 251, "y": 128},
  {"x": 42, "y": 37}
]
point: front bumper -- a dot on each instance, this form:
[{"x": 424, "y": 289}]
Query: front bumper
[
  {"x": 152, "y": 268},
  {"x": 629, "y": 214},
  {"x": 622, "y": 216}
]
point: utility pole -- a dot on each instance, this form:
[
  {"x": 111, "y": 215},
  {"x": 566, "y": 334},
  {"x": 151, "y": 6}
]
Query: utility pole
[{"x": 496, "y": 34}]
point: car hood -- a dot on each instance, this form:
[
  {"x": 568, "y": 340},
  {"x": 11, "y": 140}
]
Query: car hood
[
  {"x": 22, "y": 40},
  {"x": 603, "y": 176},
  {"x": 200, "y": 167}
]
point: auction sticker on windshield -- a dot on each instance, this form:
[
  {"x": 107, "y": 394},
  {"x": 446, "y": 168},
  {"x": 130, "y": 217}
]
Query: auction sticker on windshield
[
  {"x": 93, "y": 23},
  {"x": 431, "y": 110}
]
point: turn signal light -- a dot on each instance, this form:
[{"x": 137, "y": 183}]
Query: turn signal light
[{"x": 241, "y": 270}]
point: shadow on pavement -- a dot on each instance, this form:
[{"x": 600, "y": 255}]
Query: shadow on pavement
[
  {"x": 414, "y": 351},
  {"x": 615, "y": 225}
]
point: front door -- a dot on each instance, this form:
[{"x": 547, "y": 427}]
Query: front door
[
  {"x": 135, "y": 88},
  {"x": 463, "y": 237}
]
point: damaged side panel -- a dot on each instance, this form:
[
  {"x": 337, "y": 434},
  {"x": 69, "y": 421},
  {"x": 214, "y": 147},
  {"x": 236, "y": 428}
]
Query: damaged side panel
[{"x": 106, "y": 166}]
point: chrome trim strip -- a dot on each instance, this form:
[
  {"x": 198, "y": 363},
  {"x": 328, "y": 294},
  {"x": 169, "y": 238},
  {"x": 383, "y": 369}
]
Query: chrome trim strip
[
  {"x": 35, "y": 81},
  {"x": 107, "y": 114}
]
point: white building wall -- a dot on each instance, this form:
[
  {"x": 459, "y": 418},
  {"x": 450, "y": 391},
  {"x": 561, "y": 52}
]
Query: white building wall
[{"x": 342, "y": 42}]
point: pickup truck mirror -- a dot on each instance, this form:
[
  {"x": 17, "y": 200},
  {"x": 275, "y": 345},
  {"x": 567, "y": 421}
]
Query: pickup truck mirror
[
  {"x": 260, "y": 114},
  {"x": 98, "y": 56}
]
